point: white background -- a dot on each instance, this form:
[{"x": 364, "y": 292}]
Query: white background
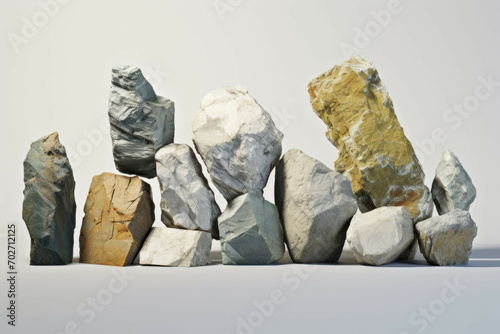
[{"x": 431, "y": 56}]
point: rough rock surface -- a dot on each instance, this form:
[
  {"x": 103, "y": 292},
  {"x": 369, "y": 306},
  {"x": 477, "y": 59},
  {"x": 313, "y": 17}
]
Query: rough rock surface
[
  {"x": 237, "y": 140},
  {"x": 447, "y": 240},
  {"x": 380, "y": 236},
  {"x": 250, "y": 231},
  {"x": 374, "y": 151},
  {"x": 175, "y": 248},
  {"x": 119, "y": 212},
  {"x": 452, "y": 187},
  {"x": 49, "y": 206},
  {"x": 186, "y": 198},
  {"x": 141, "y": 122},
  {"x": 316, "y": 205}
]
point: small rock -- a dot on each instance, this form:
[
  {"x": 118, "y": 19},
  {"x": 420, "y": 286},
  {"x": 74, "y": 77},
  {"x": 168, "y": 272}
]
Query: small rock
[
  {"x": 452, "y": 187},
  {"x": 374, "y": 152},
  {"x": 119, "y": 213},
  {"x": 237, "y": 140},
  {"x": 380, "y": 236},
  {"x": 316, "y": 205},
  {"x": 186, "y": 198},
  {"x": 141, "y": 122},
  {"x": 49, "y": 206},
  {"x": 447, "y": 239},
  {"x": 250, "y": 231},
  {"x": 175, "y": 248}
]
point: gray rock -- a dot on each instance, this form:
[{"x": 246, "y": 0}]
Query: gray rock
[
  {"x": 186, "y": 198},
  {"x": 447, "y": 240},
  {"x": 316, "y": 205},
  {"x": 250, "y": 231},
  {"x": 380, "y": 236},
  {"x": 141, "y": 122},
  {"x": 49, "y": 206},
  {"x": 175, "y": 248},
  {"x": 452, "y": 187},
  {"x": 237, "y": 141}
]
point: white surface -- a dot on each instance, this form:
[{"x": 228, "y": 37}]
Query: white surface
[{"x": 430, "y": 56}]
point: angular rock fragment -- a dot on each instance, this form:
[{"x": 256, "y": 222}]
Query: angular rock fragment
[
  {"x": 316, "y": 205},
  {"x": 380, "y": 236},
  {"x": 447, "y": 239},
  {"x": 452, "y": 187},
  {"x": 173, "y": 247},
  {"x": 186, "y": 198},
  {"x": 237, "y": 140},
  {"x": 141, "y": 122},
  {"x": 250, "y": 231},
  {"x": 49, "y": 206},
  {"x": 374, "y": 152},
  {"x": 119, "y": 212}
]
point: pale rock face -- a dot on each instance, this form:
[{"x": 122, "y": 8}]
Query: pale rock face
[
  {"x": 316, "y": 205},
  {"x": 237, "y": 140},
  {"x": 119, "y": 213},
  {"x": 374, "y": 152},
  {"x": 250, "y": 231},
  {"x": 452, "y": 187},
  {"x": 49, "y": 206},
  {"x": 141, "y": 122},
  {"x": 175, "y": 248},
  {"x": 380, "y": 236},
  {"x": 447, "y": 239},
  {"x": 186, "y": 198}
]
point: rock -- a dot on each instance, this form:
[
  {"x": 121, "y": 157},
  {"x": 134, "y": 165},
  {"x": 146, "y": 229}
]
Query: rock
[
  {"x": 186, "y": 198},
  {"x": 447, "y": 240},
  {"x": 237, "y": 141},
  {"x": 175, "y": 248},
  {"x": 380, "y": 236},
  {"x": 49, "y": 206},
  {"x": 374, "y": 152},
  {"x": 141, "y": 122},
  {"x": 452, "y": 187},
  {"x": 250, "y": 231},
  {"x": 119, "y": 213},
  {"x": 410, "y": 252},
  {"x": 316, "y": 205}
]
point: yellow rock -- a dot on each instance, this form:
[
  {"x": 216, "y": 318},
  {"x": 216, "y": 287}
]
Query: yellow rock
[
  {"x": 119, "y": 213},
  {"x": 374, "y": 152}
]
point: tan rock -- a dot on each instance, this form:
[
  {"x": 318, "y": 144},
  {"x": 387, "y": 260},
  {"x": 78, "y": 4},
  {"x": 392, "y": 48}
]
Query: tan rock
[
  {"x": 374, "y": 152},
  {"x": 119, "y": 213}
]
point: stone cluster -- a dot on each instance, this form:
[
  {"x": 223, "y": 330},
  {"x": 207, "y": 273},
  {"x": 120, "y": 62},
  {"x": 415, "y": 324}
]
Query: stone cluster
[{"x": 315, "y": 207}]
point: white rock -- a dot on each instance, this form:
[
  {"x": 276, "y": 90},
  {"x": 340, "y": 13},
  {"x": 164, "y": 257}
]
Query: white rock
[
  {"x": 380, "y": 236},
  {"x": 452, "y": 187},
  {"x": 316, "y": 205},
  {"x": 447, "y": 239},
  {"x": 186, "y": 198},
  {"x": 237, "y": 141},
  {"x": 175, "y": 248}
]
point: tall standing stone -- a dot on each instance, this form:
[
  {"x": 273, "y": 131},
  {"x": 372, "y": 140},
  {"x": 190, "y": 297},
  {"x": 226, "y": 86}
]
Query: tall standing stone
[
  {"x": 49, "y": 206},
  {"x": 452, "y": 187},
  {"x": 374, "y": 152},
  {"x": 186, "y": 198},
  {"x": 237, "y": 140},
  {"x": 119, "y": 213},
  {"x": 316, "y": 205},
  {"x": 141, "y": 122}
]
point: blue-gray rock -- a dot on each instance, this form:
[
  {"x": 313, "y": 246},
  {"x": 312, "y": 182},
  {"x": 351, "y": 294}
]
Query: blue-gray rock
[
  {"x": 447, "y": 239},
  {"x": 237, "y": 140},
  {"x": 250, "y": 231},
  {"x": 186, "y": 198},
  {"x": 141, "y": 122},
  {"x": 452, "y": 187},
  {"x": 316, "y": 205},
  {"x": 49, "y": 206}
]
